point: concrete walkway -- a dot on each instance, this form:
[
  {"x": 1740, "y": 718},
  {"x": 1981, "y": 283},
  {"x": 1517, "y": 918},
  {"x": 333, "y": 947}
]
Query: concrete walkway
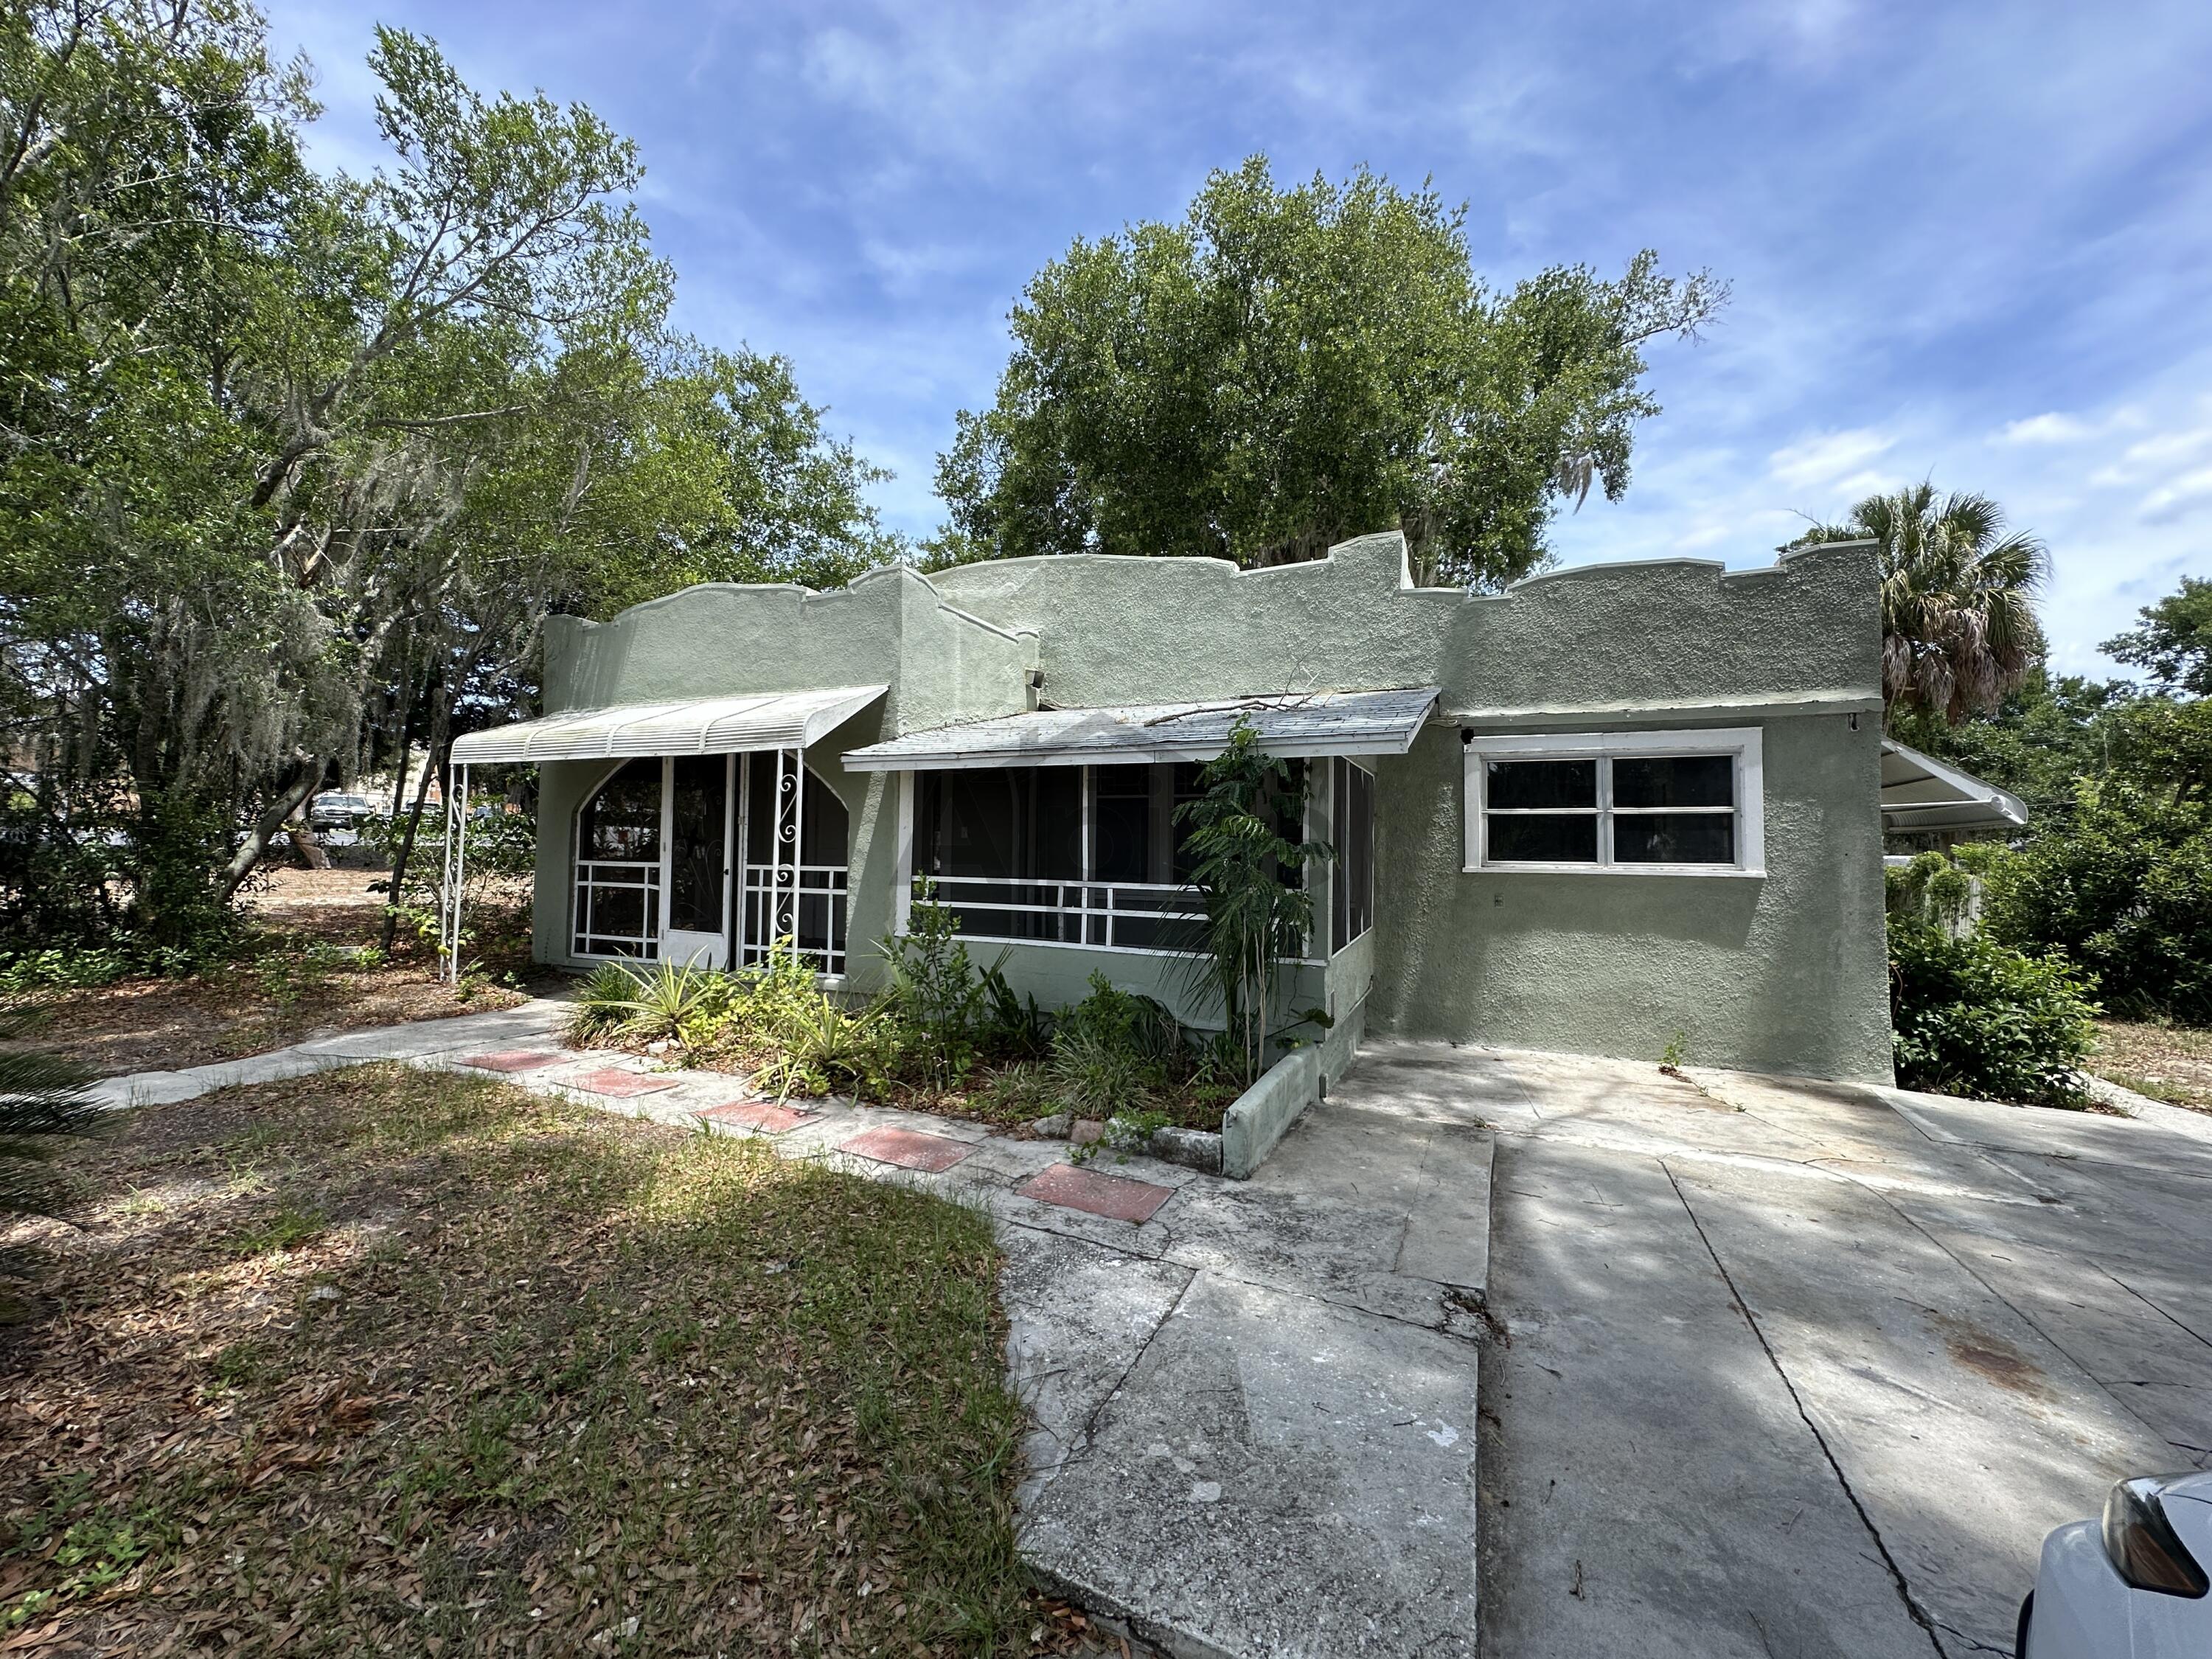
[
  {"x": 1793, "y": 1369},
  {"x": 1254, "y": 1403}
]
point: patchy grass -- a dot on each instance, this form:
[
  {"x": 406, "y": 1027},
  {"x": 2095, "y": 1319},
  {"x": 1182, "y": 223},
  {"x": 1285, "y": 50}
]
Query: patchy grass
[
  {"x": 388, "y": 1360},
  {"x": 309, "y": 969},
  {"x": 2172, "y": 1063}
]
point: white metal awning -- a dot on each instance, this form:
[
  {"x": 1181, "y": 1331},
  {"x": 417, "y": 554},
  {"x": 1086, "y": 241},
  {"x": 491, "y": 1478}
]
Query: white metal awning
[
  {"x": 1920, "y": 792},
  {"x": 700, "y": 726},
  {"x": 1288, "y": 723}
]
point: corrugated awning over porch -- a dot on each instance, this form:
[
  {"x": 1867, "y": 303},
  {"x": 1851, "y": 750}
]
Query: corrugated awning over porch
[
  {"x": 1288, "y": 722},
  {"x": 701, "y": 725},
  {"x": 1920, "y": 792}
]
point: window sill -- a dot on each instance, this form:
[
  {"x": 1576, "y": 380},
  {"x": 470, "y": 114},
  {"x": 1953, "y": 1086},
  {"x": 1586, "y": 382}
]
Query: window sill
[{"x": 1701, "y": 871}]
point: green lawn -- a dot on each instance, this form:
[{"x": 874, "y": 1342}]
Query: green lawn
[{"x": 386, "y": 1360}]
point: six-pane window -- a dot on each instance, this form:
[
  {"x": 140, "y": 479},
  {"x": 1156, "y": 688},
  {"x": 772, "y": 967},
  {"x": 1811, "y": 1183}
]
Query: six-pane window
[{"x": 1623, "y": 801}]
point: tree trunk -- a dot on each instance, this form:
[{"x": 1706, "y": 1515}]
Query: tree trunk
[
  {"x": 249, "y": 855},
  {"x": 440, "y": 720}
]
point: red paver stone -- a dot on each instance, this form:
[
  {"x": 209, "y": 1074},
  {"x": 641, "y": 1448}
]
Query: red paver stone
[
  {"x": 763, "y": 1114},
  {"x": 513, "y": 1059},
  {"x": 1115, "y": 1197},
  {"x": 613, "y": 1080},
  {"x": 909, "y": 1149}
]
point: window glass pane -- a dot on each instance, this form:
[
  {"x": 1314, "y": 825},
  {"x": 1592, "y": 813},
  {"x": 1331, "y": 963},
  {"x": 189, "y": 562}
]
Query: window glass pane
[
  {"x": 1184, "y": 786},
  {"x": 1674, "y": 780},
  {"x": 1568, "y": 838},
  {"x": 1674, "y": 838},
  {"x": 1542, "y": 783},
  {"x": 1121, "y": 823},
  {"x": 617, "y": 913},
  {"x": 623, "y": 818},
  {"x": 1353, "y": 905},
  {"x": 695, "y": 893},
  {"x": 1019, "y": 828}
]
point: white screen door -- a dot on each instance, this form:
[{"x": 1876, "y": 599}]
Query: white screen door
[{"x": 699, "y": 802}]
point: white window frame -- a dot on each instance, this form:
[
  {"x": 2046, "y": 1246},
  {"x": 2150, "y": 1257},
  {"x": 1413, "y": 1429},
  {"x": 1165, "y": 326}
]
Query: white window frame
[{"x": 1741, "y": 743}]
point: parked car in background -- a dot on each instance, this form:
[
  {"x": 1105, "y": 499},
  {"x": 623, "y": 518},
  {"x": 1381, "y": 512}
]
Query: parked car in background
[
  {"x": 335, "y": 810},
  {"x": 2132, "y": 1586}
]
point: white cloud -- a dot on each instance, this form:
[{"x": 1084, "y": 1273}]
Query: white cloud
[
  {"x": 2050, "y": 429},
  {"x": 2187, "y": 495},
  {"x": 1834, "y": 459}
]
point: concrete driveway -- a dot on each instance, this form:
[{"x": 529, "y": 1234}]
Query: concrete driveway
[{"x": 1784, "y": 1368}]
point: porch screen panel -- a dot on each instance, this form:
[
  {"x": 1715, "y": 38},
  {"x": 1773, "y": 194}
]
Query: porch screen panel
[
  {"x": 1352, "y": 906},
  {"x": 617, "y": 894},
  {"x": 819, "y": 910},
  {"x": 1011, "y": 839}
]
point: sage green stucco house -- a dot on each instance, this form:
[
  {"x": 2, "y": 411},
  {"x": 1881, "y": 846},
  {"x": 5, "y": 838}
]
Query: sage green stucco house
[{"x": 1617, "y": 803}]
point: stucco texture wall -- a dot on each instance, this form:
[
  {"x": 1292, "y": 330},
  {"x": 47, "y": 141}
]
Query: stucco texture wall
[
  {"x": 1785, "y": 972},
  {"x": 889, "y": 627},
  {"x": 1114, "y": 630}
]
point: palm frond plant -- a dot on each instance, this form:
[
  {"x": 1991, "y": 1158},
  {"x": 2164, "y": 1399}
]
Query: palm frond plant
[
  {"x": 1958, "y": 627},
  {"x": 1247, "y": 871},
  {"x": 669, "y": 1001}
]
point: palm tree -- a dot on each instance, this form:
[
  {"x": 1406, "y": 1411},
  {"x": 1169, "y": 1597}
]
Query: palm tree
[{"x": 1957, "y": 599}]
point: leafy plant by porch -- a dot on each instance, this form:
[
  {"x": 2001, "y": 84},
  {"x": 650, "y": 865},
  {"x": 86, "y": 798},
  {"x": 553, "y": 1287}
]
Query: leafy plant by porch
[
  {"x": 412, "y": 1361},
  {"x": 947, "y": 1036},
  {"x": 1258, "y": 915}
]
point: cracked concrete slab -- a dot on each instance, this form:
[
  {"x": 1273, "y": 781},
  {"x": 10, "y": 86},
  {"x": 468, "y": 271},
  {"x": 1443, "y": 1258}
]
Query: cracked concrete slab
[
  {"x": 1277, "y": 1476},
  {"x": 1904, "y": 1362},
  {"x": 1077, "y": 1316},
  {"x": 1650, "y": 1484},
  {"x": 1979, "y": 1315}
]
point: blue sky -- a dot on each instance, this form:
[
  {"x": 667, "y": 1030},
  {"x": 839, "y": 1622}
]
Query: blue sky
[{"x": 1969, "y": 241}]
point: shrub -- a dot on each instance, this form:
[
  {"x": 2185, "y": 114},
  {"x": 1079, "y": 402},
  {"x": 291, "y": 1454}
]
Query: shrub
[
  {"x": 1972, "y": 1017},
  {"x": 1112, "y": 1049},
  {"x": 822, "y": 1047},
  {"x": 666, "y": 1000},
  {"x": 2125, "y": 888},
  {"x": 936, "y": 996},
  {"x": 1931, "y": 892}
]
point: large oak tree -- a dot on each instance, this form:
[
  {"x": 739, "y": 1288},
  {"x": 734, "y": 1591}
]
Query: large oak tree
[{"x": 1283, "y": 368}]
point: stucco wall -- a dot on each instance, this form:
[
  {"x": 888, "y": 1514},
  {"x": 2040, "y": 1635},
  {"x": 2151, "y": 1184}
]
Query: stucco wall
[
  {"x": 889, "y": 627},
  {"x": 1785, "y": 972},
  {"x": 1155, "y": 630}
]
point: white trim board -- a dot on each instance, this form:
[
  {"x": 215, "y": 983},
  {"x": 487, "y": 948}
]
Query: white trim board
[{"x": 1743, "y": 742}]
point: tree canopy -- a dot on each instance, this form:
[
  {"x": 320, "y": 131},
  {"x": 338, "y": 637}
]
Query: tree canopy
[
  {"x": 2174, "y": 640},
  {"x": 1284, "y": 368},
  {"x": 293, "y": 466}
]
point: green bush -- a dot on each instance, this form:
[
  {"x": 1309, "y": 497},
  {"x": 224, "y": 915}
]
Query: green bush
[
  {"x": 650, "y": 1002},
  {"x": 938, "y": 1000},
  {"x": 1975, "y": 1017},
  {"x": 2123, "y": 887},
  {"x": 1112, "y": 1050}
]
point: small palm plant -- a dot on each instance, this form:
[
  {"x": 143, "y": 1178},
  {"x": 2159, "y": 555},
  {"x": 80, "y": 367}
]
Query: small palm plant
[
  {"x": 668, "y": 1001},
  {"x": 1257, "y": 912}
]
